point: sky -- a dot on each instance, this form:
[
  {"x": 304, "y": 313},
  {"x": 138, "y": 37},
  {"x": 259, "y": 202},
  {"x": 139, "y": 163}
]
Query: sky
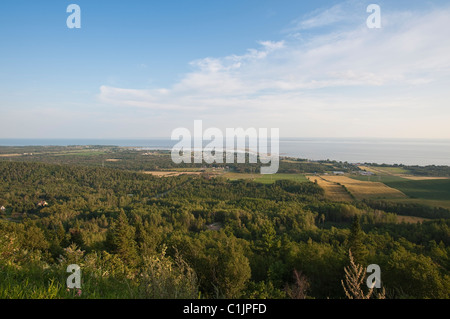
[{"x": 141, "y": 69}]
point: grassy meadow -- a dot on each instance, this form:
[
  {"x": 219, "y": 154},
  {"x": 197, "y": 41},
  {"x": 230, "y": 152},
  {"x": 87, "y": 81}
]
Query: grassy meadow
[
  {"x": 266, "y": 179},
  {"x": 433, "y": 189}
]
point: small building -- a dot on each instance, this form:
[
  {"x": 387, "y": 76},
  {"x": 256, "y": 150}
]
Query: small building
[{"x": 366, "y": 173}]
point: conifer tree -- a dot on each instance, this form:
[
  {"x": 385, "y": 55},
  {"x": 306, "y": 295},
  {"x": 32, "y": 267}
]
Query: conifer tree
[
  {"x": 356, "y": 244},
  {"x": 143, "y": 239},
  {"x": 120, "y": 240}
]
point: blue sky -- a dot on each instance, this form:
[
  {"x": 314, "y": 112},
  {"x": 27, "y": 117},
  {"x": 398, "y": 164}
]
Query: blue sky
[{"x": 144, "y": 68}]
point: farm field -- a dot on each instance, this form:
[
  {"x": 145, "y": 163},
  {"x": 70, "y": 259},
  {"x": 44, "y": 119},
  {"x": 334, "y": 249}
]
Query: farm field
[
  {"x": 10, "y": 155},
  {"x": 385, "y": 170},
  {"x": 80, "y": 153},
  {"x": 170, "y": 173},
  {"x": 426, "y": 190},
  {"x": 190, "y": 169},
  {"x": 391, "y": 173},
  {"x": 366, "y": 190},
  {"x": 378, "y": 178},
  {"x": 395, "y": 178},
  {"x": 423, "y": 178},
  {"x": 435, "y": 189},
  {"x": 333, "y": 191},
  {"x": 269, "y": 179},
  {"x": 266, "y": 179}
]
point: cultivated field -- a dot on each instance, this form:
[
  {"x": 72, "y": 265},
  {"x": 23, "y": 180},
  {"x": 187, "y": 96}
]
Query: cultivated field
[
  {"x": 385, "y": 170},
  {"x": 10, "y": 155},
  {"x": 423, "y": 178},
  {"x": 435, "y": 189},
  {"x": 333, "y": 191},
  {"x": 170, "y": 173},
  {"x": 366, "y": 190},
  {"x": 266, "y": 179},
  {"x": 431, "y": 191}
]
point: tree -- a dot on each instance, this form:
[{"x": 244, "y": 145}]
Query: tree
[
  {"x": 34, "y": 237},
  {"x": 416, "y": 275},
  {"x": 356, "y": 237},
  {"x": 120, "y": 240},
  {"x": 76, "y": 237},
  {"x": 233, "y": 268}
]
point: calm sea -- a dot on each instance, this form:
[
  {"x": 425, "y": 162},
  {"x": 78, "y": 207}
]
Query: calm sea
[{"x": 353, "y": 150}]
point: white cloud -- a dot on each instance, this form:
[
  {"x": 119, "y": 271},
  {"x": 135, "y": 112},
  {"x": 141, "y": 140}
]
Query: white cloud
[
  {"x": 324, "y": 81},
  {"x": 320, "y": 18}
]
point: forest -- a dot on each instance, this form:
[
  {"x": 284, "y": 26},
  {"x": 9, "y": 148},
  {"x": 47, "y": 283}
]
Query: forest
[{"x": 135, "y": 235}]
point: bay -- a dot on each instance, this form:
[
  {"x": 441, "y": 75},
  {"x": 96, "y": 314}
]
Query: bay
[{"x": 353, "y": 150}]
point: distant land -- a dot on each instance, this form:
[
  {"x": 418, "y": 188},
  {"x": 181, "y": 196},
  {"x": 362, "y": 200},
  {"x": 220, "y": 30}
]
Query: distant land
[
  {"x": 353, "y": 150},
  {"x": 341, "y": 181}
]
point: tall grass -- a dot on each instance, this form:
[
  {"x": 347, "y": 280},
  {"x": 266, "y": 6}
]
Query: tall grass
[{"x": 103, "y": 276}]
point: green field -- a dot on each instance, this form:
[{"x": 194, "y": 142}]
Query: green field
[
  {"x": 435, "y": 193},
  {"x": 382, "y": 170},
  {"x": 437, "y": 189},
  {"x": 380, "y": 178},
  {"x": 81, "y": 153},
  {"x": 393, "y": 170},
  {"x": 266, "y": 179}
]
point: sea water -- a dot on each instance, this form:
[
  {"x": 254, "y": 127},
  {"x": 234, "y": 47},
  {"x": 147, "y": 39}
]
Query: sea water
[{"x": 353, "y": 150}]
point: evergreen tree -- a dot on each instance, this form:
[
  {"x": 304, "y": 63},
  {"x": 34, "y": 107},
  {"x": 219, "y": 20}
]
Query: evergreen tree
[
  {"x": 356, "y": 239},
  {"x": 120, "y": 240},
  {"x": 76, "y": 237},
  {"x": 143, "y": 239}
]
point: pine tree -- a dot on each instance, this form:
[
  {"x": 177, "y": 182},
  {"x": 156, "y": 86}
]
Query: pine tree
[
  {"x": 76, "y": 237},
  {"x": 120, "y": 240},
  {"x": 143, "y": 239},
  {"x": 356, "y": 244}
]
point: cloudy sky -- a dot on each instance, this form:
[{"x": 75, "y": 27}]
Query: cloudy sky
[{"x": 140, "y": 69}]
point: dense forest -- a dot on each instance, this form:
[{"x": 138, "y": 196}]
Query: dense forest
[{"x": 139, "y": 236}]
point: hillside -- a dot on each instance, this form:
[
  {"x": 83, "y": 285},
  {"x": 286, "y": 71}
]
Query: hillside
[{"x": 135, "y": 235}]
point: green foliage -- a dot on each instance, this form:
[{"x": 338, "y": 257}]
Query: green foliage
[
  {"x": 120, "y": 240},
  {"x": 224, "y": 239},
  {"x": 164, "y": 278},
  {"x": 414, "y": 275},
  {"x": 409, "y": 209},
  {"x": 356, "y": 240}
]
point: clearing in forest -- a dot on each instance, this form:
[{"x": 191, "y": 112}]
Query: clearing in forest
[
  {"x": 366, "y": 190},
  {"x": 170, "y": 173},
  {"x": 333, "y": 191}
]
